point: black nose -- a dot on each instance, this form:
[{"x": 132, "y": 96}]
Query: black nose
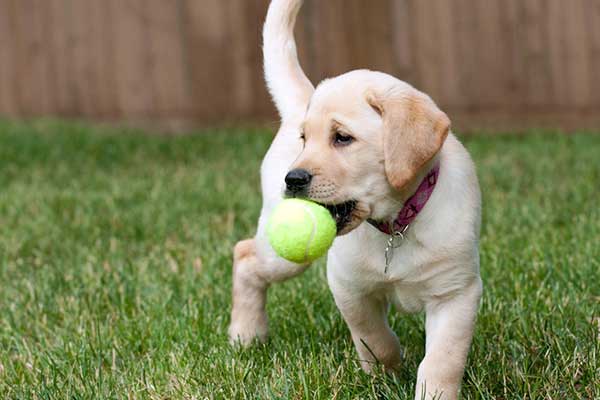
[{"x": 297, "y": 180}]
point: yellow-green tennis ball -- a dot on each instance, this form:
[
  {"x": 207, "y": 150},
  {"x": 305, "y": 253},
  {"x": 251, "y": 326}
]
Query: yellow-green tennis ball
[{"x": 301, "y": 231}]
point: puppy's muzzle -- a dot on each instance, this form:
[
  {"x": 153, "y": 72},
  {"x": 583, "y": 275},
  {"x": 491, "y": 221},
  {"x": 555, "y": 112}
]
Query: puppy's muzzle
[{"x": 297, "y": 182}]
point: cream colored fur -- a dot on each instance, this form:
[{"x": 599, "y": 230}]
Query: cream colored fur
[{"x": 436, "y": 268}]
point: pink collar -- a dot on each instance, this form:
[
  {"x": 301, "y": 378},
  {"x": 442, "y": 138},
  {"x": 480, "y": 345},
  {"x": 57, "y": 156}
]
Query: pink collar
[{"x": 413, "y": 205}]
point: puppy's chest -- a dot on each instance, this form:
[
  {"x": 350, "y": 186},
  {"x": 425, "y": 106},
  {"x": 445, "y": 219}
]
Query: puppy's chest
[
  {"x": 405, "y": 286},
  {"x": 404, "y": 281}
]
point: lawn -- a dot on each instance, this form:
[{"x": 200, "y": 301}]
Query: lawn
[{"x": 115, "y": 271}]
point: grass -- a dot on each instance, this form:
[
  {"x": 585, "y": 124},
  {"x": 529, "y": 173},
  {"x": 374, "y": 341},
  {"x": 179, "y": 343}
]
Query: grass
[{"x": 115, "y": 271}]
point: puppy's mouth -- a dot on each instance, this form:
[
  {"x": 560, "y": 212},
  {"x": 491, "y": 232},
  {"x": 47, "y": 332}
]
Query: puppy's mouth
[{"x": 342, "y": 213}]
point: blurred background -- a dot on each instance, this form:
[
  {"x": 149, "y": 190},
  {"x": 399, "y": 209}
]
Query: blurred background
[{"x": 179, "y": 64}]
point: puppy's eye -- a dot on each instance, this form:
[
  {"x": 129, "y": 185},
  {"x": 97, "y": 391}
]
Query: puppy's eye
[
  {"x": 302, "y": 137},
  {"x": 341, "y": 139}
]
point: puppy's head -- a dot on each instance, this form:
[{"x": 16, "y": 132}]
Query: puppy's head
[{"x": 367, "y": 138}]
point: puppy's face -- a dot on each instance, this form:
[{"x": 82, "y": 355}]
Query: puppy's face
[{"x": 366, "y": 136}]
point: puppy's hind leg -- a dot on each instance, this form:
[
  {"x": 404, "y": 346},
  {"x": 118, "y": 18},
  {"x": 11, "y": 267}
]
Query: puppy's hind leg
[
  {"x": 253, "y": 272},
  {"x": 248, "y": 315}
]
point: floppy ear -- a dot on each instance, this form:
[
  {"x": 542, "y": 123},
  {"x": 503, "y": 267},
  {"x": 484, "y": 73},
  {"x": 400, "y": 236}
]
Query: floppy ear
[{"x": 414, "y": 129}]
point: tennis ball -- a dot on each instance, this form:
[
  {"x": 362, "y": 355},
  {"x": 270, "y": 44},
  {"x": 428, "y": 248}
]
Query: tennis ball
[{"x": 300, "y": 231}]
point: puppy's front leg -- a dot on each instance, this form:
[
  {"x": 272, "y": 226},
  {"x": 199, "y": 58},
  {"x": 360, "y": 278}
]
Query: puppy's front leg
[
  {"x": 252, "y": 275},
  {"x": 366, "y": 317},
  {"x": 449, "y": 328}
]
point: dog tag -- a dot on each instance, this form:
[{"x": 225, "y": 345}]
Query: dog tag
[{"x": 395, "y": 240}]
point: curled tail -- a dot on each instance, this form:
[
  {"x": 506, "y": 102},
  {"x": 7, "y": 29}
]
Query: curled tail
[{"x": 287, "y": 83}]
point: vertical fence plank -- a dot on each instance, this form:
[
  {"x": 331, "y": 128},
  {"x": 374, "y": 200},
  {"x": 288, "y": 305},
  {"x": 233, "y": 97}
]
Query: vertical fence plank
[
  {"x": 240, "y": 15},
  {"x": 490, "y": 58},
  {"x": 557, "y": 53},
  {"x": 377, "y": 51},
  {"x": 577, "y": 62},
  {"x": 60, "y": 64},
  {"x": 30, "y": 56},
  {"x": 515, "y": 94},
  {"x": 401, "y": 39},
  {"x": 447, "y": 59},
  {"x": 592, "y": 24},
  {"x": 133, "y": 60},
  {"x": 8, "y": 101},
  {"x": 427, "y": 44},
  {"x": 99, "y": 52},
  {"x": 538, "y": 76},
  {"x": 82, "y": 58},
  {"x": 308, "y": 41},
  {"x": 332, "y": 50},
  {"x": 47, "y": 28},
  {"x": 468, "y": 57},
  {"x": 166, "y": 46},
  {"x": 207, "y": 32}
]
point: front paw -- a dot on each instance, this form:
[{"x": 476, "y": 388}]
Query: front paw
[
  {"x": 246, "y": 329},
  {"x": 381, "y": 354},
  {"x": 438, "y": 380}
]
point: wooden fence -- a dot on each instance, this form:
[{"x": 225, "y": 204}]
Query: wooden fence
[{"x": 512, "y": 62}]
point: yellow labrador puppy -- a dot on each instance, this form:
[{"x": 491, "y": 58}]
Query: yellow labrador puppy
[{"x": 403, "y": 190}]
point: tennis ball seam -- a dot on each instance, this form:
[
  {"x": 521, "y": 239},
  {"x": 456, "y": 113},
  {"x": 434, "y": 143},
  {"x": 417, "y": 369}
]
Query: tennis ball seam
[{"x": 313, "y": 231}]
